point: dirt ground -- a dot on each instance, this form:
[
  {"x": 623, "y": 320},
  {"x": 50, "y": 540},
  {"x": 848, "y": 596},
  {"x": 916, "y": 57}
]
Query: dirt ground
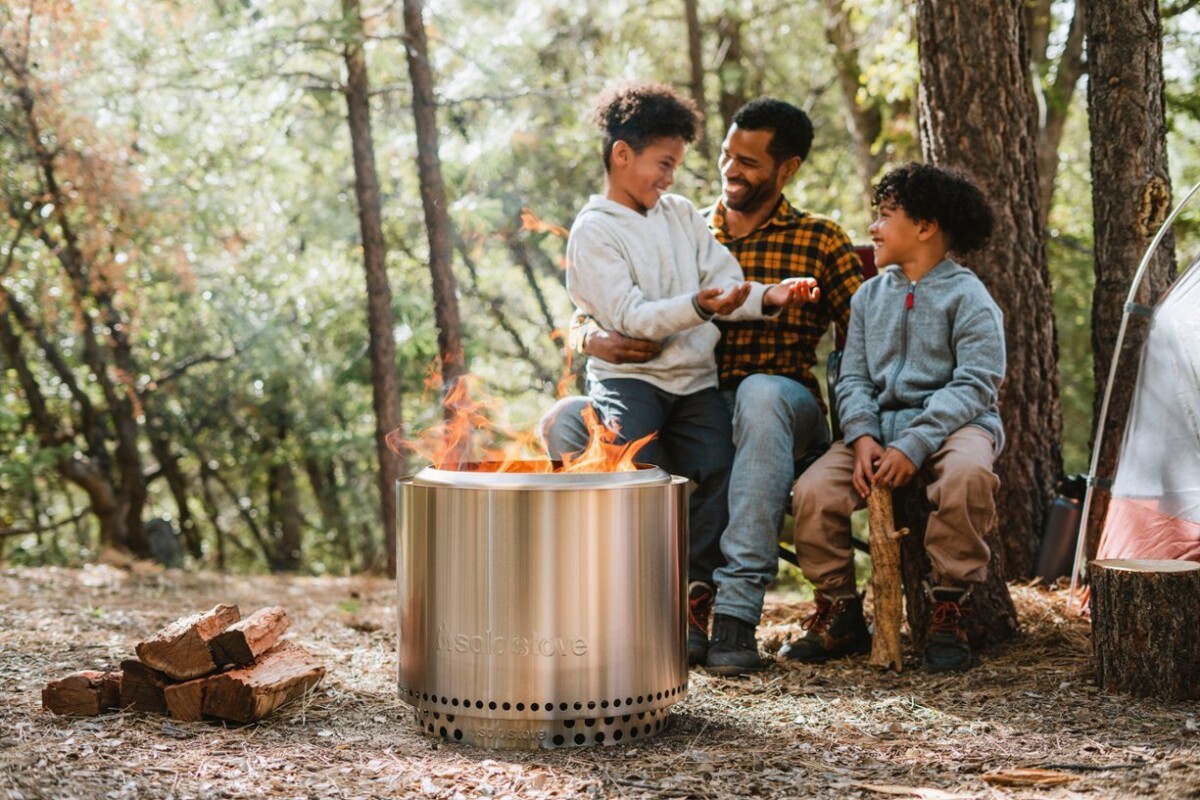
[{"x": 1027, "y": 722}]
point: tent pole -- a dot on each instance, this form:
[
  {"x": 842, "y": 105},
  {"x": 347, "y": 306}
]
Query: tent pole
[{"x": 1081, "y": 535}]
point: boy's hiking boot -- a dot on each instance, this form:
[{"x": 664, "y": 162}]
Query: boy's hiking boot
[
  {"x": 733, "y": 649},
  {"x": 946, "y": 647},
  {"x": 700, "y": 603},
  {"x": 835, "y": 629}
]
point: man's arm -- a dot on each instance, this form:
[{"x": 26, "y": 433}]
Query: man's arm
[{"x": 588, "y": 338}]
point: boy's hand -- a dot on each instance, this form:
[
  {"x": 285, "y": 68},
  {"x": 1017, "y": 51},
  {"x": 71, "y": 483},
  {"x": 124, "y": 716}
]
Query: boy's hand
[
  {"x": 792, "y": 292},
  {"x": 616, "y": 348},
  {"x": 894, "y": 469},
  {"x": 717, "y": 301},
  {"x": 867, "y": 453}
]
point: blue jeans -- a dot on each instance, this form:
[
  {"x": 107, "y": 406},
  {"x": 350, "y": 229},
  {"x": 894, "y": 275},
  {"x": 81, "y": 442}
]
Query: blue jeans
[
  {"x": 776, "y": 421},
  {"x": 694, "y": 439}
]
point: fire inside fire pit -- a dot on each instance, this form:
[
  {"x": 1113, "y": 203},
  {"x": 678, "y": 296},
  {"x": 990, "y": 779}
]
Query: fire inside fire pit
[{"x": 542, "y": 609}]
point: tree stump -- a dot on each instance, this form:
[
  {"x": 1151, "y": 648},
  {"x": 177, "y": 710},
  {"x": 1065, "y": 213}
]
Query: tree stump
[
  {"x": 1146, "y": 627},
  {"x": 886, "y": 589},
  {"x": 993, "y": 616}
]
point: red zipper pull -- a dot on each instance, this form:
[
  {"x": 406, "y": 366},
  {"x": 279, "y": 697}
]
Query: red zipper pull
[{"x": 908, "y": 301}]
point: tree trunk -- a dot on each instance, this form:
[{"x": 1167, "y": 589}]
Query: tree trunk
[
  {"x": 1146, "y": 627},
  {"x": 286, "y": 523},
  {"x": 385, "y": 393},
  {"x": 863, "y": 117},
  {"x": 977, "y": 114},
  {"x": 322, "y": 477},
  {"x": 433, "y": 198},
  {"x": 731, "y": 69},
  {"x": 696, "y": 65},
  {"x": 1131, "y": 196},
  {"x": 1055, "y": 99}
]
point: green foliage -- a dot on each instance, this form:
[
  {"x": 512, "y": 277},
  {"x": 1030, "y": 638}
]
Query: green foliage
[{"x": 209, "y": 148}]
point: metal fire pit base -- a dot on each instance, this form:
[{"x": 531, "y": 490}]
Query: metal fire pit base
[
  {"x": 536, "y": 734},
  {"x": 538, "y": 611}
]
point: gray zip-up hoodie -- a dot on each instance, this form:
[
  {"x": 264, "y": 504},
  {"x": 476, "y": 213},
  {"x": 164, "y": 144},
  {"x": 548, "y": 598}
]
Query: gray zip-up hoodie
[
  {"x": 638, "y": 274},
  {"x": 922, "y": 360}
]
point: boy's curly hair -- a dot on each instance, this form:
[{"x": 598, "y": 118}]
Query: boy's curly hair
[
  {"x": 639, "y": 113},
  {"x": 945, "y": 196}
]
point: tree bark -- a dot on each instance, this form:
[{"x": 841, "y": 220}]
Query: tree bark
[
  {"x": 433, "y": 199},
  {"x": 1146, "y": 627},
  {"x": 1054, "y": 99},
  {"x": 864, "y": 117},
  {"x": 1131, "y": 196},
  {"x": 886, "y": 581},
  {"x": 977, "y": 114},
  {"x": 286, "y": 524},
  {"x": 385, "y": 391},
  {"x": 731, "y": 69},
  {"x": 695, "y": 42}
]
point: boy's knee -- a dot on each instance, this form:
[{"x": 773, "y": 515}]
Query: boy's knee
[{"x": 562, "y": 429}]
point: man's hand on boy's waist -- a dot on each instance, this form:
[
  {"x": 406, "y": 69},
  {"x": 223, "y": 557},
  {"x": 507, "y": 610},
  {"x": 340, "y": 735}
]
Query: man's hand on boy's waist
[{"x": 616, "y": 348}]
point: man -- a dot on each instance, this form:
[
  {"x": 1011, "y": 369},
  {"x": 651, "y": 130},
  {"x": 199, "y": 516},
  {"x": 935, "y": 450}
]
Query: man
[{"x": 765, "y": 370}]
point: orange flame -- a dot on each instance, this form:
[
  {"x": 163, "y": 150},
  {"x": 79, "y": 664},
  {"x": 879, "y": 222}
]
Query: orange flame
[
  {"x": 466, "y": 441},
  {"x": 532, "y": 222}
]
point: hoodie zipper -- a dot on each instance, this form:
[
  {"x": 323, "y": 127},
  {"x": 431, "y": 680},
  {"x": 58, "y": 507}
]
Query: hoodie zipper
[{"x": 909, "y": 301}]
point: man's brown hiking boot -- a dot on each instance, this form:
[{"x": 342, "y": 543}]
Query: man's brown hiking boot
[
  {"x": 700, "y": 602},
  {"x": 835, "y": 629},
  {"x": 946, "y": 647}
]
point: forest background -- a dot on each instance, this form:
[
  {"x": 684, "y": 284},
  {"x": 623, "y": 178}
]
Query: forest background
[{"x": 187, "y": 211}]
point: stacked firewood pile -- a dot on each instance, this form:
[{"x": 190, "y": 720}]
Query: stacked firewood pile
[{"x": 214, "y": 664}]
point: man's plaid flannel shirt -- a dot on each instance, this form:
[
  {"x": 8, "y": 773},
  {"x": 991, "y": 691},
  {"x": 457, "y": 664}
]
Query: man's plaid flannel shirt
[{"x": 790, "y": 244}]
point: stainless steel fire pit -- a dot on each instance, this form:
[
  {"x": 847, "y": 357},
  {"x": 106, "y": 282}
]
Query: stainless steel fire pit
[{"x": 542, "y": 610}]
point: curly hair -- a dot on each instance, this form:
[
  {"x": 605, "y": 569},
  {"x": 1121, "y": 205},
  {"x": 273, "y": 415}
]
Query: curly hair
[
  {"x": 945, "y": 196},
  {"x": 791, "y": 129},
  {"x": 639, "y": 113}
]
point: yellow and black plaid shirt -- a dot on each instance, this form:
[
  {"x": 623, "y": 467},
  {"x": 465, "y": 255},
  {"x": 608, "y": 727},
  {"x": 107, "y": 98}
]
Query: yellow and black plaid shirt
[{"x": 790, "y": 244}]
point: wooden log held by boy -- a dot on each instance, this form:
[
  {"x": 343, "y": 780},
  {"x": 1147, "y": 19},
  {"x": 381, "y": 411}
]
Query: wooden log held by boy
[
  {"x": 886, "y": 586},
  {"x": 1146, "y": 627}
]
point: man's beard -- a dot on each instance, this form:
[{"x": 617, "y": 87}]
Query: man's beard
[{"x": 756, "y": 195}]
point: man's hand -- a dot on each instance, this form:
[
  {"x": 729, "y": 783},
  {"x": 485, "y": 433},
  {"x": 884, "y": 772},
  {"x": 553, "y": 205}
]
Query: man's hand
[
  {"x": 867, "y": 453},
  {"x": 616, "y": 348},
  {"x": 894, "y": 469},
  {"x": 716, "y": 301},
  {"x": 792, "y": 292}
]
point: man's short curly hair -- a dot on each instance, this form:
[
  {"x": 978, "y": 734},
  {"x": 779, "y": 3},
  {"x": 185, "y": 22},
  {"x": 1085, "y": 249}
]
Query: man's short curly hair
[
  {"x": 945, "y": 196},
  {"x": 791, "y": 129},
  {"x": 639, "y": 113}
]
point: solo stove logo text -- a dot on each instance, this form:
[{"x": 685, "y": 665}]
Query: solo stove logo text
[{"x": 486, "y": 644}]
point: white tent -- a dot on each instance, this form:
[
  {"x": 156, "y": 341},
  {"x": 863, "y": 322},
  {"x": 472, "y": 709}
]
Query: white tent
[{"x": 1155, "y": 508}]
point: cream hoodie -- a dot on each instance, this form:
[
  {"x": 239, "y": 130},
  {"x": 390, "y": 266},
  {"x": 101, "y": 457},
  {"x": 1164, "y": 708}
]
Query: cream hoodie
[{"x": 638, "y": 274}]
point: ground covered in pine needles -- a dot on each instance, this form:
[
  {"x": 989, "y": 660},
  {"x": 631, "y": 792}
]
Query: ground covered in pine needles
[{"x": 1027, "y": 722}]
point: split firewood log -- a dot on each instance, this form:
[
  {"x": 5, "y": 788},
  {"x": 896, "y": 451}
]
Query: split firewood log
[
  {"x": 244, "y": 641},
  {"x": 247, "y": 694},
  {"x": 180, "y": 650},
  {"x": 85, "y": 693},
  {"x": 184, "y": 700},
  {"x": 142, "y": 687},
  {"x": 886, "y": 586}
]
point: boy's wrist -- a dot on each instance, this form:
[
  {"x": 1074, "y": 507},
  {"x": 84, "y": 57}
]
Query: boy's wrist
[{"x": 704, "y": 315}]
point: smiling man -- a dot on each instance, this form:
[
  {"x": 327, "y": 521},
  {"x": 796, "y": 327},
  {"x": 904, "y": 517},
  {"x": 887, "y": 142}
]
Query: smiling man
[{"x": 765, "y": 369}]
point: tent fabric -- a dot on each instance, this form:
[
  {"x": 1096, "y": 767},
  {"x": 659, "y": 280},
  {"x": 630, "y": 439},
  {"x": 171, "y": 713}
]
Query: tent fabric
[{"x": 1155, "y": 507}]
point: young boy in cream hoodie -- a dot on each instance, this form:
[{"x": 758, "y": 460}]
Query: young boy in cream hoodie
[{"x": 644, "y": 263}]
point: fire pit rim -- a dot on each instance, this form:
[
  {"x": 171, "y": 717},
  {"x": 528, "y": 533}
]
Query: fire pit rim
[{"x": 645, "y": 475}]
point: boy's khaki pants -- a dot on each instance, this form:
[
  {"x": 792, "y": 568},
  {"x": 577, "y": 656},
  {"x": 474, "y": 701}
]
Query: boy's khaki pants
[{"x": 961, "y": 489}]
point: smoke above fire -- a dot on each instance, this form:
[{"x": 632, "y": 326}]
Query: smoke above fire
[{"x": 475, "y": 437}]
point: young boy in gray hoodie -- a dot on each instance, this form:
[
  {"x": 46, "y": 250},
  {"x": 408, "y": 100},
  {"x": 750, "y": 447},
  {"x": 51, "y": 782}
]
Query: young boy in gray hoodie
[
  {"x": 919, "y": 390},
  {"x": 644, "y": 263}
]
